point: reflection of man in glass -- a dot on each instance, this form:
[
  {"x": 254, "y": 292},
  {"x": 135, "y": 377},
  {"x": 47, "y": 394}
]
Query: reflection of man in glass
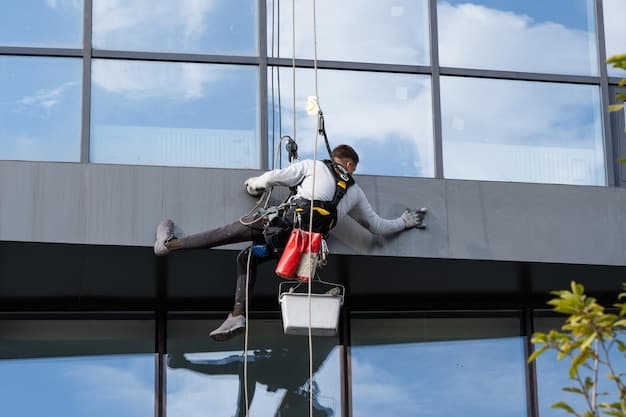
[
  {"x": 273, "y": 367},
  {"x": 336, "y": 195}
]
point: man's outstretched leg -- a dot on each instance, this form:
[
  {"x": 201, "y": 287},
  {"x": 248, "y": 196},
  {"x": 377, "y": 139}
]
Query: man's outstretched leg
[{"x": 235, "y": 232}]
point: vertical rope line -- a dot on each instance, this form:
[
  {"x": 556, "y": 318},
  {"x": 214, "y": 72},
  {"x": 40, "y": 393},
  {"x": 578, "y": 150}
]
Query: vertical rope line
[
  {"x": 280, "y": 106},
  {"x": 245, "y": 343},
  {"x": 317, "y": 134},
  {"x": 315, "y": 49},
  {"x": 272, "y": 87},
  {"x": 293, "y": 63}
]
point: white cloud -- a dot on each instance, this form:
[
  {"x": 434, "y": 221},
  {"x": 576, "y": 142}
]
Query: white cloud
[
  {"x": 360, "y": 106},
  {"x": 476, "y": 36},
  {"x": 614, "y": 12},
  {"x": 383, "y": 31},
  {"x": 48, "y": 97},
  {"x": 140, "y": 23},
  {"x": 139, "y": 80}
]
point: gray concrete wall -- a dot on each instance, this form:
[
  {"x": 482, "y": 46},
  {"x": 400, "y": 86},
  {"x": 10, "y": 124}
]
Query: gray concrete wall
[{"x": 120, "y": 205}]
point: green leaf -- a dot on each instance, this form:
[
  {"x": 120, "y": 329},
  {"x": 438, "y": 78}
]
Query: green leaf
[
  {"x": 621, "y": 346},
  {"x": 577, "y": 361},
  {"x": 622, "y": 160},
  {"x": 615, "y": 107},
  {"x": 614, "y": 413},
  {"x": 620, "y": 96},
  {"x": 573, "y": 390},
  {"x": 536, "y": 353},
  {"x": 622, "y": 82},
  {"x": 620, "y": 323},
  {"x": 564, "y": 406},
  {"x": 616, "y": 58}
]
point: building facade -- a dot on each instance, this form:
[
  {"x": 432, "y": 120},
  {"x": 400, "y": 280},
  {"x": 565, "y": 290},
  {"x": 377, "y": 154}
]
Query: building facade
[{"x": 117, "y": 114}]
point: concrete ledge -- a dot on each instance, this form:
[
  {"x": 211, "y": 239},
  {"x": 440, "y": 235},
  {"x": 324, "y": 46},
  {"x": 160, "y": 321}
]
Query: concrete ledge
[{"x": 120, "y": 205}]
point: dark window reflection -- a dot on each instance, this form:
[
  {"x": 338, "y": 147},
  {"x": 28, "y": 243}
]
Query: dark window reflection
[
  {"x": 437, "y": 367},
  {"x": 386, "y": 117},
  {"x": 205, "y": 377},
  {"x": 40, "y": 103},
  {"x": 49, "y": 23},
  {"x": 218, "y": 27},
  {"x": 181, "y": 114},
  {"x": 387, "y": 31},
  {"x": 556, "y": 36},
  {"x": 77, "y": 368}
]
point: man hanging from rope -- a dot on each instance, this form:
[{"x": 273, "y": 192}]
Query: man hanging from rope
[{"x": 336, "y": 195}]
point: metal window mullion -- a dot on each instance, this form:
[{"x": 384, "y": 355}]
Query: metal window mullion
[
  {"x": 436, "y": 89},
  {"x": 263, "y": 94},
  {"x": 37, "y": 51},
  {"x": 610, "y": 161},
  {"x": 175, "y": 57},
  {"x": 86, "y": 93},
  {"x": 532, "y": 398}
]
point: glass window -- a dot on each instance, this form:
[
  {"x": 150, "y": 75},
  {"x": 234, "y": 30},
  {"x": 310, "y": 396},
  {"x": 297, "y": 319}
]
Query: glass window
[
  {"x": 521, "y": 131},
  {"x": 615, "y": 31},
  {"x": 386, "y": 31},
  {"x": 386, "y": 117},
  {"x": 157, "y": 113},
  {"x": 556, "y": 36},
  {"x": 40, "y": 108},
  {"x": 76, "y": 368},
  {"x": 218, "y": 27},
  {"x": 49, "y": 23},
  {"x": 204, "y": 376},
  {"x": 437, "y": 367},
  {"x": 552, "y": 376}
]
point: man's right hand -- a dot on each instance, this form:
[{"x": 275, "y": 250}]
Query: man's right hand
[
  {"x": 414, "y": 218},
  {"x": 254, "y": 187}
]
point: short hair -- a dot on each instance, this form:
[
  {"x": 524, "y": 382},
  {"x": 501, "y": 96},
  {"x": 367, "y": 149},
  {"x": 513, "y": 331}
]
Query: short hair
[{"x": 345, "y": 152}]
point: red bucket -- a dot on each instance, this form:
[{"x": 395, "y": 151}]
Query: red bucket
[{"x": 297, "y": 246}]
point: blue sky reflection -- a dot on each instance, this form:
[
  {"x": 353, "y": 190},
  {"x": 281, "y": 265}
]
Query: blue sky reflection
[
  {"x": 535, "y": 36},
  {"x": 157, "y": 113},
  {"x": 40, "y": 102},
  {"x": 45, "y": 23},
  {"x": 208, "y": 26},
  {"x": 95, "y": 386},
  {"x": 442, "y": 378},
  {"x": 386, "y": 117}
]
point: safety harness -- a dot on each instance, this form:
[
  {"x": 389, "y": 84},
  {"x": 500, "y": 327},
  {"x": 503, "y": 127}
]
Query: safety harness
[
  {"x": 324, "y": 212},
  {"x": 295, "y": 212}
]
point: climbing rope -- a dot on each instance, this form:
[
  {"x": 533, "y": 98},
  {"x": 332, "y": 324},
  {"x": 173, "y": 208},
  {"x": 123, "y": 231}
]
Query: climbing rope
[
  {"x": 317, "y": 132},
  {"x": 245, "y": 339}
]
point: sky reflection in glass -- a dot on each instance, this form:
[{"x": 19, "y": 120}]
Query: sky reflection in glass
[
  {"x": 522, "y": 131},
  {"x": 158, "y": 113},
  {"x": 615, "y": 31},
  {"x": 386, "y": 31},
  {"x": 49, "y": 23},
  {"x": 204, "y": 376},
  {"x": 437, "y": 367},
  {"x": 386, "y": 117},
  {"x": 556, "y": 36},
  {"x": 40, "y": 102},
  {"x": 217, "y": 27},
  {"x": 77, "y": 369}
]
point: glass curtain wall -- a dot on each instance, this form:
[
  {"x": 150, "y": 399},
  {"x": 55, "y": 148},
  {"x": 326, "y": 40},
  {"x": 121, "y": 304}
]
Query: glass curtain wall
[{"x": 197, "y": 83}]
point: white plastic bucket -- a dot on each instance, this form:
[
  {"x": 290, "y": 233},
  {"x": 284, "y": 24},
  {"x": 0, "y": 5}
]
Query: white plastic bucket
[{"x": 324, "y": 313}]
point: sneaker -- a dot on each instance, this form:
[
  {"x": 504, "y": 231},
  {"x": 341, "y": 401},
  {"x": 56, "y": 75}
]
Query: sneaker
[
  {"x": 232, "y": 326},
  {"x": 164, "y": 233}
]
